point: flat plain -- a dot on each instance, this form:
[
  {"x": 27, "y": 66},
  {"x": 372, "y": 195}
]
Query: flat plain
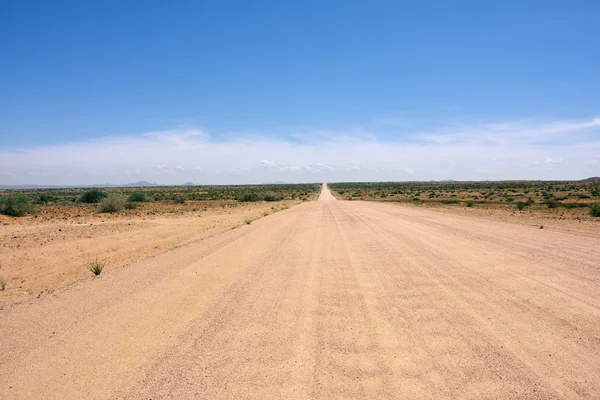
[{"x": 324, "y": 299}]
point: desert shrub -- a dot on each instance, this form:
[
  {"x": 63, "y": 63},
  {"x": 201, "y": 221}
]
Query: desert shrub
[
  {"x": 44, "y": 199},
  {"x": 246, "y": 197},
  {"x": 570, "y": 206},
  {"x": 595, "y": 210},
  {"x": 130, "y": 205},
  {"x": 16, "y": 205},
  {"x": 450, "y": 201},
  {"x": 91, "y": 196},
  {"x": 2, "y": 284},
  {"x": 158, "y": 196},
  {"x": 271, "y": 196},
  {"x": 553, "y": 204},
  {"x": 521, "y": 205},
  {"x": 139, "y": 197},
  {"x": 470, "y": 204},
  {"x": 111, "y": 204},
  {"x": 178, "y": 199}
]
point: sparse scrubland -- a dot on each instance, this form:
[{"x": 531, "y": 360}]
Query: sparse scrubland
[
  {"x": 558, "y": 199},
  {"x": 57, "y": 230}
]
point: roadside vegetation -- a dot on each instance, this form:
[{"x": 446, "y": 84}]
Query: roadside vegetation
[
  {"x": 91, "y": 196},
  {"x": 577, "y": 199},
  {"x": 147, "y": 200},
  {"x": 112, "y": 204},
  {"x": 16, "y": 205}
]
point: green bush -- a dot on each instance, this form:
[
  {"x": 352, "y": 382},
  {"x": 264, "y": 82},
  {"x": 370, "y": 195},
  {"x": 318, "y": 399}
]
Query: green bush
[
  {"x": 44, "y": 199},
  {"x": 130, "y": 205},
  {"x": 111, "y": 204},
  {"x": 521, "y": 205},
  {"x": 91, "y": 196},
  {"x": 178, "y": 199},
  {"x": 16, "y": 205},
  {"x": 595, "y": 210},
  {"x": 139, "y": 197},
  {"x": 271, "y": 196},
  {"x": 470, "y": 204},
  {"x": 247, "y": 197}
]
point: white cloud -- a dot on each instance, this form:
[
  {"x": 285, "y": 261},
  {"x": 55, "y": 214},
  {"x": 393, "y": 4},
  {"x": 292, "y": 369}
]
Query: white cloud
[
  {"x": 268, "y": 164},
  {"x": 549, "y": 160},
  {"x": 504, "y": 150}
]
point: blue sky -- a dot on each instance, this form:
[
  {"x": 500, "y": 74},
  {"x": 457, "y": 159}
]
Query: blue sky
[{"x": 246, "y": 92}]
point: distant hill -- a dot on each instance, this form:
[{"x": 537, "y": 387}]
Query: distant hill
[
  {"x": 101, "y": 185},
  {"x": 189, "y": 184},
  {"x": 142, "y": 183},
  {"x": 592, "y": 179}
]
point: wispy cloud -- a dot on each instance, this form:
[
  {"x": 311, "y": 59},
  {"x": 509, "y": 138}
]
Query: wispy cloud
[{"x": 500, "y": 150}]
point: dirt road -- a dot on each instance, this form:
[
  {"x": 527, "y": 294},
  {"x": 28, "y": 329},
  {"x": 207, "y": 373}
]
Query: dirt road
[{"x": 328, "y": 299}]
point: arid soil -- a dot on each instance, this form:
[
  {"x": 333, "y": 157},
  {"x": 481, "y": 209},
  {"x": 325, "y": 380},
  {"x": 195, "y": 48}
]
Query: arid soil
[
  {"x": 53, "y": 248},
  {"x": 328, "y": 299}
]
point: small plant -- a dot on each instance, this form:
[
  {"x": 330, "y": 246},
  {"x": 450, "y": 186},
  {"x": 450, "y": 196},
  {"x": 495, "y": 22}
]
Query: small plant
[
  {"x": 521, "y": 205},
  {"x": 595, "y": 210},
  {"x": 16, "y": 205},
  {"x": 111, "y": 204},
  {"x": 469, "y": 204},
  {"x": 91, "y": 196},
  {"x": 541, "y": 226},
  {"x": 248, "y": 221},
  {"x": 2, "y": 284},
  {"x": 96, "y": 267}
]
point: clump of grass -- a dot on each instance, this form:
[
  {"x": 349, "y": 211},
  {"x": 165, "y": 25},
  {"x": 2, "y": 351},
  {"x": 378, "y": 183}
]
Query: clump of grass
[
  {"x": 248, "y": 221},
  {"x": 111, "y": 204},
  {"x": 16, "y": 205},
  {"x": 595, "y": 210},
  {"x": 470, "y": 204},
  {"x": 2, "y": 284},
  {"x": 541, "y": 226},
  {"x": 521, "y": 205},
  {"x": 139, "y": 197},
  {"x": 91, "y": 196},
  {"x": 96, "y": 267}
]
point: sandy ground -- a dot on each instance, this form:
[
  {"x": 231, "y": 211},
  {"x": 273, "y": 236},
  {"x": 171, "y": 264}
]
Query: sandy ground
[
  {"x": 54, "y": 248},
  {"x": 327, "y": 299}
]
